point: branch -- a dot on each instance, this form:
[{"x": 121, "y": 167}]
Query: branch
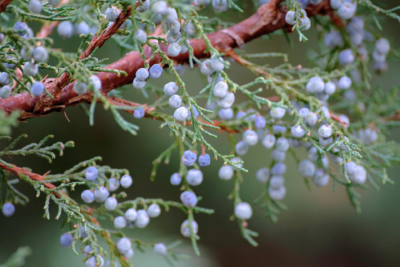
[
  {"x": 268, "y": 18},
  {"x": 4, "y": 4}
]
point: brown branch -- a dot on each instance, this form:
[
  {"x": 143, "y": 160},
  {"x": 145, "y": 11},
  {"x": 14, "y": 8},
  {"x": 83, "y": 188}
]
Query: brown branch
[
  {"x": 268, "y": 18},
  {"x": 4, "y": 4}
]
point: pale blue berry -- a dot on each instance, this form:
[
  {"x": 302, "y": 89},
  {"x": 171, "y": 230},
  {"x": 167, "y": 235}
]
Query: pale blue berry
[
  {"x": 241, "y": 148},
  {"x": 346, "y": 57},
  {"x": 127, "y": 24},
  {"x": 282, "y": 144},
  {"x": 155, "y": 71},
  {"x": 175, "y": 101},
  {"x": 112, "y": 13},
  {"x": 320, "y": 178},
  {"x": 347, "y": 10},
  {"x": 171, "y": 88},
  {"x": 142, "y": 219},
  {"x": 217, "y": 64},
  {"x": 8, "y": 209},
  {"x": 174, "y": 49},
  {"x": 204, "y": 160},
  {"x": 160, "y": 7},
  {"x": 120, "y": 222},
  {"x": 30, "y": 69},
  {"x": 351, "y": 167},
  {"x": 262, "y": 175},
  {"x": 140, "y": 37},
  {"x": 91, "y": 173},
  {"x": 124, "y": 245},
  {"x": 194, "y": 177},
  {"x": 83, "y": 28},
  {"x": 142, "y": 74},
  {"x": 205, "y": 67},
  {"x": 126, "y": 181},
  {"x": 5, "y": 92},
  {"x": 129, "y": 254},
  {"x": 131, "y": 214},
  {"x": 154, "y": 210},
  {"x": 304, "y": 111},
  {"x": 225, "y": 172},
  {"x": 139, "y": 113},
  {"x": 360, "y": 175},
  {"x": 260, "y": 122},
  {"x": 87, "y": 196},
  {"x": 315, "y": 85},
  {"x": 1, "y": 37},
  {"x": 325, "y": 131},
  {"x": 83, "y": 233},
  {"x": 335, "y": 4},
  {"x": 382, "y": 46},
  {"x": 220, "y": 89},
  {"x": 65, "y": 29},
  {"x": 325, "y": 142},
  {"x": 306, "y": 168},
  {"x": 220, "y": 5},
  {"x": 138, "y": 84},
  {"x": 330, "y": 88},
  {"x": 173, "y": 37},
  {"x": 4, "y": 78},
  {"x": 225, "y": 113},
  {"x": 189, "y": 199},
  {"x": 278, "y": 155},
  {"x": 185, "y": 228},
  {"x": 37, "y": 88},
  {"x": 276, "y": 182},
  {"x": 277, "y": 193},
  {"x": 189, "y": 158},
  {"x": 181, "y": 114},
  {"x": 278, "y": 169},
  {"x": 27, "y": 52},
  {"x": 111, "y": 203},
  {"x": 190, "y": 29},
  {"x": 80, "y": 88},
  {"x": 277, "y": 112},
  {"x": 333, "y": 39},
  {"x": 160, "y": 249},
  {"x": 101, "y": 194},
  {"x": 113, "y": 184},
  {"x": 240, "y": 114},
  {"x": 91, "y": 262},
  {"x": 66, "y": 240},
  {"x": 176, "y": 179},
  {"x": 268, "y": 141},
  {"x": 344, "y": 82},
  {"x": 243, "y": 211},
  {"x": 144, "y": 6},
  {"x": 250, "y": 137},
  {"x": 171, "y": 15},
  {"x": 35, "y": 6},
  {"x": 298, "y": 131},
  {"x": 290, "y": 17},
  {"x": 311, "y": 119}
]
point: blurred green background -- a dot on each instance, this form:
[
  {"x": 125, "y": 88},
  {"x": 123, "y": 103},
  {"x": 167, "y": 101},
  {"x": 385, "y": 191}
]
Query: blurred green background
[{"x": 319, "y": 229}]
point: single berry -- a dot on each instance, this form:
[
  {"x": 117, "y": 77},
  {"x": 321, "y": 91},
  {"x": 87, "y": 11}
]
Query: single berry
[
  {"x": 65, "y": 29},
  {"x": 205, "y": 67},
  {"x": 142, "y": 219},
  {"x": 282, "y": 144},
  {"x": 194, "y": 177},
  {"x": 138, "y": 84},
  {"x": 30, "y": 69},
  {"x": 290, "y": 17},
  {"x": 220, "y": 5},
  {"x": 189, "y": 158},
  {"x": 277, "y": 112},
  {"x": 4, "y": 78},
  {"x": 95, "y": 82},
  {"x": 101, "y": 194},
  {"x": 225, "y": 113},
  {"x": 298, "y": 131},
  {"x": 126, "y": 181},
  {"x": 217, "y": 64},
  {"x": 268, "y": 141},
  {"x": 124, "y": 245},
  {"x": 160, "y": 249},
  {"x": 5, "y": 92},
  {"x": 346, "y": 57},
  {"x": 80, "y": 88},
  {"x": 189, "y": 199},
  {"x": 112, "y": 13},
  {"x": 325, "y": 131},
  {"x": 344, "y": 82},
  {"x": 8, "y": 209},
  {"x": 278, "y": 155},
  {"x": 241, "y": 148},
  {"x": 311, "y": 119},
  {"x": 87, "y": 196},
  {"x": 315, "y": 85},
  {"x": 220, "y": 89},
  {"x": 129, "y": 254},
  {"x": 37, "y": 88},
  {"x": 144, "y": 6},
  {"x": 35, "y": 6},
  {"x": 186, "y": 230},
  {"x": 181, "y": 114},
  {"x": 82, "y": 28},
  {"x": 140, "y": 37},
  {"x": 320, "y": 178},
  {"x": 174, "y": 49},
  {"x": 330, "y": 88},
  {"x": 276, "y": 182},
  {"x": 277, "y": 193},
  {"x": 278, "y": 169},
  {"x": 171, "y": 88},
  {"x": 155, "y": 71},
  {"x": 154, "y": 210},
  {"x": 347, "y": 10},
  {"x": 113, "y": 184},
  {"x": 262, "y": 175},
  {"x": 111, "y": 203},
  {"x": 225, "y": 172},
  {"x": 204, "y": 160},
  {"x": 91, "y": 173},
  {"x": 243, "y": 211},
  {"x": 382, "y": 46},
  {"x": 176, "y": 179},
  {"x": 139, "y": 113},
  {"x": 92, "y": 262},
  {"x": 175, "y": 101},
  {"x": 131, "y": 214},
  {"x": 142, "y": 74},
  {"x": 66, "y": 240},
  {"x": 27, "y": 52},
  {"x": 120, "y": 222}
]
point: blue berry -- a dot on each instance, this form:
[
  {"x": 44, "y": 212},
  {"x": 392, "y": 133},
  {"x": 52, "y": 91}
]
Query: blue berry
[
  {"x": 101, "y": 194},
  {"x": 144, "y": 6},
  {"x": 185, "y": 228},
  {"x": 240, "y": 114},
  {"x": 173, "y": 37},
  {"x": 189, "y": 158},
  {"x": 290, "y": 17},
  {"x": 30, "y": 69},
  {"x": 37, "y": 88},
  {"x": 181, "y": 114},
  {"x": 262, "y": 175},
  {"x": 320, "y": 178},
  {"x": 83, "y": 28},
  {"x": 112, "y": 13},
  {"x": 87, "y": 250},
  {"x": 140, "y": 37},
  {"x": 382, "y": 46},
  {"x": 129, "y": 254},
  {"x": 174, "y": 26},
  {"x": 142, "y": 219},
  {"x": 171, "y": 88},
  {"x": 142, "y": 74},
  {"x": 351, "y": 167},
  {"x": 160, "y": 249},
  {"x": 282, "y": 144},
  {"x": 40, "y": 54},
  {"x": 91, "y": 262},
  {"x": 204, "y": 160},
  {"x": 175, "y": 101},
  {"x": 26, "y": 52},
  {"x": 225, "y": 172},
  {"x": 176, "y": 179},
  {"x": 315, "y": 85},
  {"x": 325, "y": 131},
  {"x": 65, "y": 29},
  {"x": 126, "y": 181},
  {"x": 311, "y": 119},
  {"x": 194, "y": 177},
  {"x": 189, "y": 199},
  {"x": 174, "y": 49},
  {"x": 260, "y": 122},
  {"x": 131, "y": 214},
  {"x": 120, "y": 222},
  {"x": 298, "y": 131},
  {"x": 111, "y": 203},
  {"x": 217, "y": 64},
  {"x": 190, "y": 29},
  {"x": 333, "y": 39},
  {"x": 344, "y": 82},
  {"x": 277, "y": 112},
  {"x": 66, "y": 240},
  {"x": 241, "y": 148},
  {"x": 171, "y": 15},
  {"x": 154, "y": 210},
  {"x": 205, "y": 67},
  {"x": 8, "y": 209},
  {"x": 304, "y": 111},
  {"x": 330, "y": 88},
  {"x": 278, "y": 155},
  {"x": 95, "y": 82},
  {"x": 91, "y": 173},
  {"x": 243, "y": 211},
  {"x": 87, "y": 196},
  {"x": 113, "y": 184},
  {"x": 250, "y": 137},
  {"x": 22, "y": 27},
  {"x": 1, "y": 37},
  {"x": 335, "y": 4},
  {"x": 127, "y": 24},
  {"x": 5, "y": 92},
  {"x": 160, "y": 7},
  {"x": 347, "y": 10},
  {"x": 278, "y": 169},
  {"x": 124, "y": 245},
  {"x": 225, "y": 113},
  {"x": 306, "y": 168},
  {"x": 139, "y": 113},
  {"x": 277, "y": 193},
  {"x": 138, "y": 84},
  {"x": 268, "y": 141},
  {"x": 346, "y": 57},
  {"x": 155, "y": 71},
  {"x": 360, "y": 175},
  {"x": 220, "y": 89},
  {"x": 4, "y": 78},
  {"x": 196, "y": 113},
  {"x": 325, "y": 142},
  {"x": 83, "y": 233}
]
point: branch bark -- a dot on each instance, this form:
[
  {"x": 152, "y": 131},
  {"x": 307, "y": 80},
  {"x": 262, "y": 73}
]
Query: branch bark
[{"x": 268, "y": 18}]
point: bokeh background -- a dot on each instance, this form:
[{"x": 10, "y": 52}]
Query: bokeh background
[{"x": 319, "y": 229}]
